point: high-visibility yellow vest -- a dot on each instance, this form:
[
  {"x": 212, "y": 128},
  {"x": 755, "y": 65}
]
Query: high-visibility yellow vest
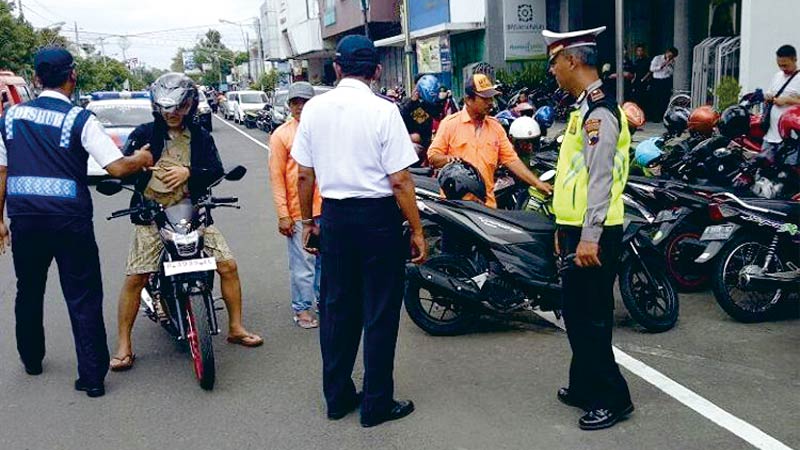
[{"x": 570, "y": 193}]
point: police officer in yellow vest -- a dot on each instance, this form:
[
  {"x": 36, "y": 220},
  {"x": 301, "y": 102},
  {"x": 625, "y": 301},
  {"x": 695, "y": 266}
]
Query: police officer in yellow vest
[{"x": 587, "y": 201}]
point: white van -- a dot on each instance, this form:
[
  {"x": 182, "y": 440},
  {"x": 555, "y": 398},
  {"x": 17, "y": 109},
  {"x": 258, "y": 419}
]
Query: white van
[{"x": 242, "y": 101}]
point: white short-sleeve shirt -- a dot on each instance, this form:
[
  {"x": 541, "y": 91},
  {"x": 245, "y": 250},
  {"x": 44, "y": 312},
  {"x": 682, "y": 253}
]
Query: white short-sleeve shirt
[
  {"x": 354, "y": 140},
  {"x": 94, "y": 138},
  {"x": 792, "y": 90}
]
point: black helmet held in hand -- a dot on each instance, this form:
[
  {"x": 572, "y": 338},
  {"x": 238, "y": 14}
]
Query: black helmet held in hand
[
  {"x": 734, "y": 122},
  {"x": 174, "y": 92},
  {"x": 459, "y": 178}
]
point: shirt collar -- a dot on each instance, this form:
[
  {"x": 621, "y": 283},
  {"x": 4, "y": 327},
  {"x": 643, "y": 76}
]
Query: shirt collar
[
  {"x": 595, "y": 85},
  {"x": 353, "y": 83},
  {"x": 54, "y": 94}
]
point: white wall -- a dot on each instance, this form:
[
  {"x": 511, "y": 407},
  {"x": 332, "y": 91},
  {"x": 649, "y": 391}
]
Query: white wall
[
  {"x": 766, "y": 25},
  {"x": 468, "y": 10}
]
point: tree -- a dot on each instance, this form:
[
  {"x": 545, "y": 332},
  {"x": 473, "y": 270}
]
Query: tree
[
  {"x": 267, "y": 81},
  {"x": 101, "y": 74},
  {"x": 177, "y": 61}
]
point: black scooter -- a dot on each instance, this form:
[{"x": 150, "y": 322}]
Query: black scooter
[
  {"x": 179, "y": 297},
  {"x": 502, "y": 262}
]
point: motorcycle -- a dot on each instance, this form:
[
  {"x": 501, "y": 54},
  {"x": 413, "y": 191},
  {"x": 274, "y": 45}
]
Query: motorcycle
[
  {"x": 753, "y": 251},
  {"x": 179, "y": 297},
  {"x": 501, "y": 262}
]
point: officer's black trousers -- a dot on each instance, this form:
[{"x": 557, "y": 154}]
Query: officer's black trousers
[
  {"x": 35, "y": 242},
  {"x": 363, "y": 254},
  {"x": 588, "y": 296}
]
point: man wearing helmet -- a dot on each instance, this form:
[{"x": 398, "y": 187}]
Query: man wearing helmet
[
  {"x": 420, "y": 110},
  {"x": 479, "y": 139},
  {"x": 187, "y": 162},
  {"x": 587, "y": 201}
]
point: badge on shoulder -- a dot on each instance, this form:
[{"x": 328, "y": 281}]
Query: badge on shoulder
[{"x": 592, "y": 127}]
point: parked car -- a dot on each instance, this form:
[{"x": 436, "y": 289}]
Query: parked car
[
  {"x": 226, "y": 107},
  {"x": 243, "y": 101},
  {"x": 280, "y": 106},
  {"x": 13, "y": 90},
  {"x": 119, "y": 116},
  {"x": 204, "y": 113}
]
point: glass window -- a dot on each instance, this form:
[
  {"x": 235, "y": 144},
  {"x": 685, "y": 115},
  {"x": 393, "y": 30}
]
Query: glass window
[
  {"x": 122, "y": 115},
  {"x": 253, "y": 98}
]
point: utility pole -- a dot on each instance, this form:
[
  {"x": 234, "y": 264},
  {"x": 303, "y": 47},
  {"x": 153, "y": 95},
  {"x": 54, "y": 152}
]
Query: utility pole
[
  {"x": 365, "y": 10},
  {"x": 77, "y": 39},
  {"x": 261, "y": 67},
  {"x": 407, "y": 48},
  {"x": 620, "y": 15},
  {"x": 21, "y": 15}
]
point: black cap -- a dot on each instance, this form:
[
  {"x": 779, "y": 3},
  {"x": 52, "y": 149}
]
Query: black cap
[
  {"x": 356, "y": 49},
  {"x": 52, "y": 60}
]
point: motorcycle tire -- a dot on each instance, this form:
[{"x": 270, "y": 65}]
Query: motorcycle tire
[
  {"x": 688, "y": 277},
  {"x": 422, "y": 316},
  {"x": 746, "y": 312},
  {"x": 643, "y": 302},
  {"x": 201, "y": 346}
]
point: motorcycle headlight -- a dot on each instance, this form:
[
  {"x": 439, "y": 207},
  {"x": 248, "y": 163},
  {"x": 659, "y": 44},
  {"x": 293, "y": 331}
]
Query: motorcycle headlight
[
  {"x": 185, "y": 244},
  {"x": 204, "y": 110}
]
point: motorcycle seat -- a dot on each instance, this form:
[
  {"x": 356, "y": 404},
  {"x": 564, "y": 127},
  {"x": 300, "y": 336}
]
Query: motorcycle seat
[
  {"x": 792, "y": 209},
  {"x": 526, "y": 220},
  {"x": 425, "y": 182}
]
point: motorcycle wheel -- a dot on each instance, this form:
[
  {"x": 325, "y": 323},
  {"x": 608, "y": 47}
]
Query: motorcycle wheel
[
  {"x": 199, "y": 340},
  {"x": 687, "y": 275},
  {"x": 744, "y": 306},
  {"x": 438, "y": 315},
  {"x": 651, "y": 300}
]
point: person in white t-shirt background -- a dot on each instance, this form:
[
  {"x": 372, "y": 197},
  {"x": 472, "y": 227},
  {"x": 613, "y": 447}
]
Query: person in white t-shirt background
[
  {"x": 662, "y": 67},
  {"x": 790, "y": 96}
]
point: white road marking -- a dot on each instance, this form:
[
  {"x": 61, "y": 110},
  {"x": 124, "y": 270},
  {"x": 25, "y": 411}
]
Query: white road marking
[
  {"x": 235, "y": 128},
  {"x": 705, "y": 408}
]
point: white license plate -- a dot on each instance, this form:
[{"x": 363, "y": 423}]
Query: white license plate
[
  {"x": 717, "y": 233},
  {"x": 189, "y": 265}
]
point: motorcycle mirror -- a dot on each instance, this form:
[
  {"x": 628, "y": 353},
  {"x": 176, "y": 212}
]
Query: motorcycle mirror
[
  {"x": 560, "y": 139},
  {"x": 236, "y": 174},
  {"x": 547, "y": 176},
  {"x": 109, "y": 187}
]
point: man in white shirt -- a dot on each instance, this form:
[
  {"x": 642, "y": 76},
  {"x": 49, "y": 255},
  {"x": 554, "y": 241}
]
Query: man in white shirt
[
  {"x": 44, "y": 150},
  {"x": 786, "y": 79},
  {"x": 662, "y": 67},
  {"x": 355, "y": 146}
]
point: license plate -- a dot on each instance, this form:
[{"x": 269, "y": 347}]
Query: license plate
[
  {"x": 189, "y": 265},
  {"x": 717, "y": 232}
]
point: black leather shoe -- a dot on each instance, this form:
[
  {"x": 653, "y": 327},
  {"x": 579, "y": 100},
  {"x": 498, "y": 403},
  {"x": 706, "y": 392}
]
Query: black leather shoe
[
  {"x": 33, "y": 368},
  {"x": 400, "y": 409},
  {"x": 336, "y": 415},
  {"x": 566, "y": 398},
  {"x": 600, "y": 418},
  {"x": 91, "y": 391}
]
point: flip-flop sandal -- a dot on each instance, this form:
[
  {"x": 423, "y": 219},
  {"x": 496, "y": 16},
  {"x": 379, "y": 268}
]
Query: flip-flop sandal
[
  {"x": 248, "y": 340},
  {"x": 125, "y": 363},
  {"x": 306, "y": 324}
]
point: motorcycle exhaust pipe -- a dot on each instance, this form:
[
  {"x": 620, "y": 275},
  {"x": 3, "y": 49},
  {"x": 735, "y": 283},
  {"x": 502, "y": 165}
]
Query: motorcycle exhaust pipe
[
  {"x": 440, "y": 283},
  {"x": 768, "y": 282}
]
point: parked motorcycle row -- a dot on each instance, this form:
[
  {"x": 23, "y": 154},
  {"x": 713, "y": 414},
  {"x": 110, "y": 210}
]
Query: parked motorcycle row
[{"x": 707, "y": 208}]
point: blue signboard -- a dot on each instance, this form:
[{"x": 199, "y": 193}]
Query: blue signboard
[{"x": 427, "y": 13}]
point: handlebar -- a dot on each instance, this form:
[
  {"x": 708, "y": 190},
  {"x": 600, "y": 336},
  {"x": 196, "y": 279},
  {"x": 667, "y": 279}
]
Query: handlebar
[{"x": 123, "y": 212}]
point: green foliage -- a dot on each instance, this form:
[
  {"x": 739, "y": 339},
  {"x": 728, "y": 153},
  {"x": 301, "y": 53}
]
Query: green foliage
[
  {"x": 526, "y": 74},
  {"x": 267, "y": 81},
  {"x": 101, "y": 74},
  {"x": 727, "y": 92},
  {"x": 19, "y": 41}
]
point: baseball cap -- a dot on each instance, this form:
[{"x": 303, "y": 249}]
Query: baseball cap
[
  {"x": 356, "y": 49},
  {"x": 51, "y": 60},
  {"x": 480, "y": 85},
  {"x": 300, "y": 89}
]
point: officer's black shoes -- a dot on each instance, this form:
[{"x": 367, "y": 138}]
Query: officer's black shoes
[
  {"x": 400, "y": 409},
  {"x": 354, "y": 403},
  {"x": 33, "y": 368},
  {"x": 600, "y": 418},
  {"x": 566, "y": 398},
  {"x": 91, "y": 390}
]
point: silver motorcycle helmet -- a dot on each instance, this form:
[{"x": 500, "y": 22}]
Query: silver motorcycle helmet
[{"x": 174, "y": 92}]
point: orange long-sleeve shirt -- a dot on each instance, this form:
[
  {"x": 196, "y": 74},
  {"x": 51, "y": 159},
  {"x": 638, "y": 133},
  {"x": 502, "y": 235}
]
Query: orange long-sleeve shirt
[
  {"x": 485, "y": 150},
  {"x": 283, "y": 174}
]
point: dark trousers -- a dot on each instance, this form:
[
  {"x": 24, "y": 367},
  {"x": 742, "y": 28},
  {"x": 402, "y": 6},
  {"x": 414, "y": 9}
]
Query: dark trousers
[
  {"x": 363, "y": 255},
  {"x": 588, "y": 296},
  {"x": 35, "y": 242},
  {"x": 659, "y": 99}
]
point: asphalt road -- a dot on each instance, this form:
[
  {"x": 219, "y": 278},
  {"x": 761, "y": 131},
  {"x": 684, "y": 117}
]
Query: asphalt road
[{"x": 493, "y": 389}]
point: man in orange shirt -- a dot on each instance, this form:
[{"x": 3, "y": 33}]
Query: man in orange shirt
[
  {"x": 304, "y": 267},
  {"x": 477, "y": 138}
]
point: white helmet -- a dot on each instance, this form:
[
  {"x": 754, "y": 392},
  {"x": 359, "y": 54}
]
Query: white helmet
[{"x": 524, "y": 128}]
